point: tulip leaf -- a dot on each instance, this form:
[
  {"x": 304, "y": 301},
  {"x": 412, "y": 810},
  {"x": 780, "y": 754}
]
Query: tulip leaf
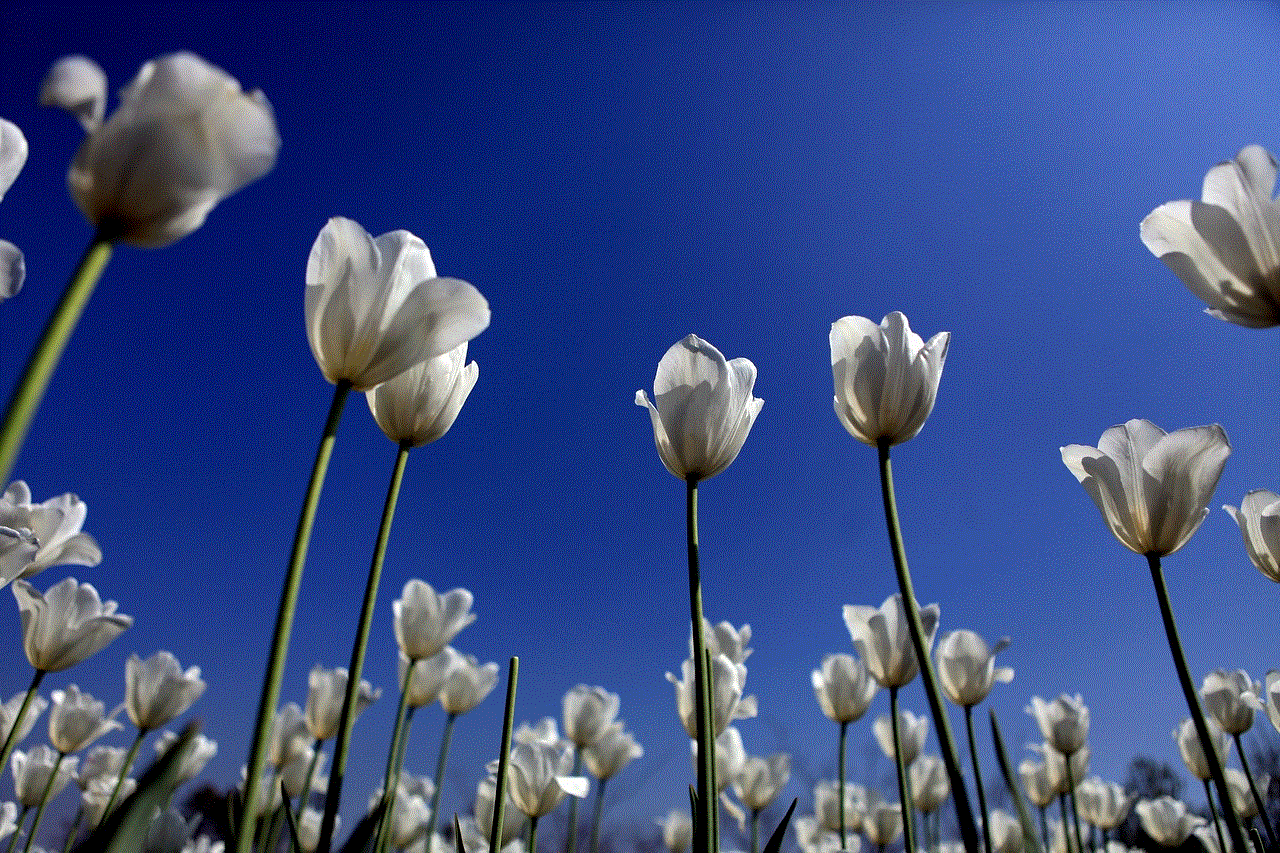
[
  {"x": 457, "y": 836},
  {"x": 235, "y": 807},
  {"x": 1030, "y": 841},
  {"x": 125, "y": 829},
  {"x": 362, "y": 835},
  {"x": 775, "y": 841}
]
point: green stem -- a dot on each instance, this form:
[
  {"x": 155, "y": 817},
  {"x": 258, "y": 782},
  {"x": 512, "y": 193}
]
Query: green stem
[
  {"x": 284, "y": 621},
  {"x": 11, "y": 739},
  {"x": 44, "y": 359},
  {"x": 904, "y": 785},
  {"x": 1193, "y": 703},
  {"x": 533, "y": 835},
  {"x": 347, "y": 721},
  {"x": 441, "y": 763},
  {"x": 305, "y": 796},
  {"x": 755, "y": 831},
  {"x": 844, "y": 731},
  {"x": 395, "y": 758},
  {"x": 74, "y": 831},
  {"x": 977, "y": 779},
  {"x": 1071, "y": 794},
  {"x": 571, "y": 844},
  {"x": 44, "y": 801},
  {"x": 704, "y": 821},
  {"x": 1213, "y": 812},
  {"x": 1253, "y": 789},
  {"x": 1066, "y": 834},
  {"x": 946, "y": 742},
  {"x": 596, "y": 815},
  {"x": 1044, "y": 828},
  {"x": 504, "y": 757},
  {"x": 124, "y": 771}
]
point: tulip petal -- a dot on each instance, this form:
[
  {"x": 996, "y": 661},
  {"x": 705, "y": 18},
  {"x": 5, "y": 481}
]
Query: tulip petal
[
  {"x": 13, "y": 154},
  {"x": 78, "y": 85},
  {"x": 1244, "y": 188},
  {"x": 13, "y": 269}
]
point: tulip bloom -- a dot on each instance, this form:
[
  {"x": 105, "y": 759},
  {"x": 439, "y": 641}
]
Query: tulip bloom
[
  {"x": 33, "y": 771},
  {"x": 375, "y": 307},
  {"x": 1226, "y": 248},
  {"x": 886, "y": 377},
  {"x": 1167, "y": 820},
  {"x": 425, "y": 622},
  {"x": 467, "y": 684},
  {"x": 677, "y": 830},
  {"x": 728, "y": 680},
  {"x": 1102, "y": 804},
  {"x": 702, "y": 408},
  {"x": 1152, "y": 488},
  {"x": 55, "y": 524},
  {"x": 966, "y": 667},
  {"x": 9, "y": 716},
  {"x": 1193, "y": 750},
  {"x": 1230, "y": 698},
  {"x": 418, "y": 406},
  {"x": 157, "y": 690},
  {"x": 929, "y": 784},
  {"x": 1064, "y": 722},
  {"x": 327, "y": 689},
  {"x": 1259, "y": 521},
  {"x": 540, "y": 778},
  {"x": 844, "y": 688},
  {"x": 913, "y": 731},
  {"x": 881, "y": 637},
  {"x": 13, "y": 154},
  {"x": 67, "y": 624},
  {"x": 184, "y": 137},
  {"x": 759, "y": 780},
  {"x": 77, "y": 720},
  {"x": 610, "y": 753},
  {"x": 588, "y": 713}
]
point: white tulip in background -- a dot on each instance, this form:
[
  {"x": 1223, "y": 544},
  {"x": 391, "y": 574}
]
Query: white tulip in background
[
  {"x": 881, "y": 637},
  {"x": 426, "y": 622},
  {"x": 588, "y": 713},
  {"x": 67, "y": 624},
  {"x": 418, "y": 406},
  {"x": 158, "y": 690},
  {"x": 76, "y": 719},
  {"x": 1064, "y": 722},
  {"x": 912, "y": 731},
  {"x": 1259, "y": 520},
  {"x": 1230, "y": 698},
  {"x": 1167, "y": 820},
  {"x": 327, "y": 690},
  {"x": 13, "y": 154},
  {"x": 55, "y": 524},
  {"x": 844, "y": 688},
  {"x": 966, "y": 667}
]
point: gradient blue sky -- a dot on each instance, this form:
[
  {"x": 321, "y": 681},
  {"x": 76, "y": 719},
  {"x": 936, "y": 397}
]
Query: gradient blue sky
[{"x": 612, "y": 178}]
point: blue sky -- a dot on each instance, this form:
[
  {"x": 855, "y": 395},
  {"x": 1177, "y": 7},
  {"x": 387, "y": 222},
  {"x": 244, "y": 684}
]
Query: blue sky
[{"x": 612, "y": 178}]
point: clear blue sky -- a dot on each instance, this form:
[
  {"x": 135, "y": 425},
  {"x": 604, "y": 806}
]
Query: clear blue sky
[{"x": 612, "y": 178}]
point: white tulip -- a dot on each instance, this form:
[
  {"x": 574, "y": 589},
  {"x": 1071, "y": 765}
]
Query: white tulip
[{"x": 418, "y": 406}]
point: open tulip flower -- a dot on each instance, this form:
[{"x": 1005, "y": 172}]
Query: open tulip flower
[
  {"x": 1226, "y": 247},
  {"x": 881, "y": 637},
  {"x": 609, "y": 754},
  {"x": 540, "y": 778},
  {"x": 1152, "y": 487},
  {"x": 418, "y": 406},
  {"x": 158, "y": 690},
  {"x": 55, "y": 524},
  {"x": 466, "y": 685},
  {"x": 929, "y": 784},
  {"x": 375, "y": 307},
  {"x": 1167, "y": 820},
  {"x": 728, "y": 680},
  {"x": 9, "y": 716},
  {"x": 40, "y": 774},
  {"x": 425, "y": 622},
  {"x": 1064, "y": 722},
  {"x": 844, "y": 688},
  {"x": 77, "y": 720},
  {"x": 1230, "y": 698},
  {"x": 588, "y": 713},
  {"x": 702, "y": 408},
  {"x": 67, "y": 624},
  {"x": 1102, "y": 804},
  {"x": 1193, "y": 750},
  {"x": 1036, "y": 782},
  {"x": 1259, "y": 520},
  {"x": 966, "y": 667},
  {"x": 886, "y": 377},
  {"x": 184, "y": 137}
]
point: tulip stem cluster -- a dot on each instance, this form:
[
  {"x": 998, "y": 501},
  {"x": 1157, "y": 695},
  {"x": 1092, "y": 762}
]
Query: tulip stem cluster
[
  {"x": 904, "y": 784},
  {"x": 704, "y": 831},
  {"x": 1253, "y": 788},
  {"x": 1193, "y": 703},
  {"x": 358, "y": 649},
  {"x": 284, "y": 621},
  {"x": 977, "y": 778},
  {"x": 44, "y": 360},
  {"x": 946, "y": 742}
]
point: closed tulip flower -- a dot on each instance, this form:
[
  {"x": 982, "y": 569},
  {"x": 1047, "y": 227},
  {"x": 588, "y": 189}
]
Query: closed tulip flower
[
  {"x": 1056, "y": 766},
  {"x": 67, "y": 624},
  {"x": 1226, "y": 247},
  {"x": 540, "y": 778},
  {"x": 1064, "y": 722},
  {"x": 32, "y": 772},
  {"x": 1152, "y": 488},
  {"x": 826, "y": 805},
  {"x": 913, "y": 731},
  {"x": 930, "y": 786},
  {"x": 1270, "y": 698},
  {"x": 1259, "y": 520},
  {"x": 844, "y": 688},
  {"x": 702, "y": 408},
  {"x": 1193, "y": 751},
  {"x": 289, "y": 735},
  {"x": 882, "y": 639},
  {"x": 886, "y": 377},
  {"x": 1102, "y": 804},
  {"x": 610, "y": 753},
  {"x": 588, "y": 712},
  {"x": 327, "y": 690},
  {"x": 157, "y": 690},
  {"x": 375, "y": 307},
  {"x": 55, "y": 524},
  {"x": 1167, "y": 820},
  {"x": 467, "y": 684},
  {"x": 426, "y": 622},
  {"x": 1230, "y": 698},
  {"x": 760, "y": 779},
  {"x": 724, "y": 639},
  {"x": 429, "y": 676},
  {"x": 966, "y": 667},
  {"x": 184, "y": 137},
  {"x": 728, "y": 681},
  {"x": 77, "y": 720},
  {"x": 418, "y": 406}
]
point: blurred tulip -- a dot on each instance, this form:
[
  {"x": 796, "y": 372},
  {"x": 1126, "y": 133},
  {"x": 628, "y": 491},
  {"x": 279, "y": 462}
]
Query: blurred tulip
[
  {"x": 17, "y": 549},
  {"x": 730, "y": 756},
  {"x": 540, "y": 778},
  {"x": 723, "y": 639},
  {"x": 33, "y": 770},
  {"x": 930, "y": 786},
  {"x": 610, "y": 753},
  {"x": 1102, "y": 804},
  {"x": 588, "y": 712},
  {"x": 1036, "y": 783},
  {"x": 1005, "y": 831},
  {"x": 467, "y": 684},
  {"x": 1241, "y": 795},
  {"x": 886, "y": 377},
  {"x": 299, "y": 776},
  {"x": 55, "y": 524},
  {"x": 677, "y": 830},
  {"x": 913, "y": 731},
  {"x": 1193, "y": 750},
  {"x": 1226, "y": 248},
  {"x": 289, "y": 735},
  {"x": 184, "y": 137},
  {"x": 102, "y": 762},
  {"x": 883, "y": 823},
  {"x": 375, "y": 307},
  {"x": 168, "y": 833},
  {"x": 1167, "y": 820},
  {"x": 1064, "y": 722},
  {"x": 826, "y": 805},
  {"x": 1230, "y": 698},
  {"x": 728, "y": 681},
  {"x": 409, "y": 812},
  {"x": 97, "y": 794},
  {"x": 512, "y": 818},
  {"x": 844, "y": 688},
  {"x": 419, "y": 405},
  {"x": 309, "y": 829},
  {"x": 9, "y": 715},
  {"x": 67, "y": 624},
  {"x": 1259, "y": 521},
  {"x": 77, "y": 720},
  {"x": 813, "y": 837},
  {"x": 883, "y": 641},
  {"x": 428, "y": 678},
  {"x": 13, "y": 154},
  {"x": 966, "y": 667},
  {"x": 196, "y": 758},
  {"x": 426, "y": 622},
  {"x": 1152, "y": 488},
  {"x": 759, "y": 780},
  {"x": 702, "y": 408},
  {"x": 546, "y": 730},
  {"x": 325, "y": 695},
  {"x": 158, "y": 691}
]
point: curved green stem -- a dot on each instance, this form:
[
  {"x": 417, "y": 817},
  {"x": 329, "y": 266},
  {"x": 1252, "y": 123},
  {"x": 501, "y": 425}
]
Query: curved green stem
[
  {"x": 124, "y": 771},
  {"x": 1193, "y": 703},
  {"x": 977, "y": 779},
  {"x": 1253, "y": 789},
  {"x": 44, "y": 359},
  {"x": 904, "y": 784},
  {"x": 705, "y": 820},
  {"x": 356, "y": 669},
  {"x": 44, "y": 801},
  {"x": 11, "y": 739},
  {"x": 284, "y": 621},
  {"x": 844, "y": 732},
  {"x": 1066, "y": 833},
  {"x": 946, "y": 741},
  {"x": 441, "y": 763},
  {"x": 1213, "y": 813},
  {"x": 596, "y": 815}
]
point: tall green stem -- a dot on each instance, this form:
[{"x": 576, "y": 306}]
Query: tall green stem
[
  {"x": 124, "y": 771},
  {"x": 284, "y": 621},
  {"x": 755, "y": 831},
  {"x": 1071, "y": 795},
  {"x": 844, "y": 732},
  {"x": 1213, "y": 813},
  {"x": 571, "y": 843},
  {"x": 395, "y": 757},
  {"x": 704, "y": 821},
  {"x": 356, "y": 669},
  {"x": 44, "y": 359},
  {"x": 441, "y": 763},
  {"x": 977, "y": 779},
  {"x": 1253, "y": 789},
  {"x": 904, "y": 784},
  {"x": 44, "y": 801},
  {"x": 504, "y": 757},
  {"x": 946, "y": 742},
  {"x": 1193, "y": 703},
  {"x": 11, "y": 739},
  {"x": 596, "y": 815},
  {"x": 533, "y": 835}
]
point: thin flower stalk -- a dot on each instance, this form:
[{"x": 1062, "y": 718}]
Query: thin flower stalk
[
  {"x": 284, "y": 620},
  {"x": 571, "y": 844},
  {"x": 704, "y": 824},
  {"x": 504, "y": 761},
  {"x": 946, "y": 742},
  {"x": 1213, "y": 812},
  {"x": 395, "y": 757},
  {"x": 844, "y": 733},
  {"x": 1193, "y": 702},
  {"x": 44, "y": 801},
  {"x": 1253, "y": 788},
  {"x": 12, "y": 739},
  {"x": 1071, "y": 795},
  {"x": 904, "y": 783},
  {"x": 348, "y": 718},
  {"x": 596, "y": 815},
  {"x": 977, "y": 779},
  {"x": 124, "y": 772},
  {"x": 442, "y": 762},
  {"x": 44, "y": 359}
]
